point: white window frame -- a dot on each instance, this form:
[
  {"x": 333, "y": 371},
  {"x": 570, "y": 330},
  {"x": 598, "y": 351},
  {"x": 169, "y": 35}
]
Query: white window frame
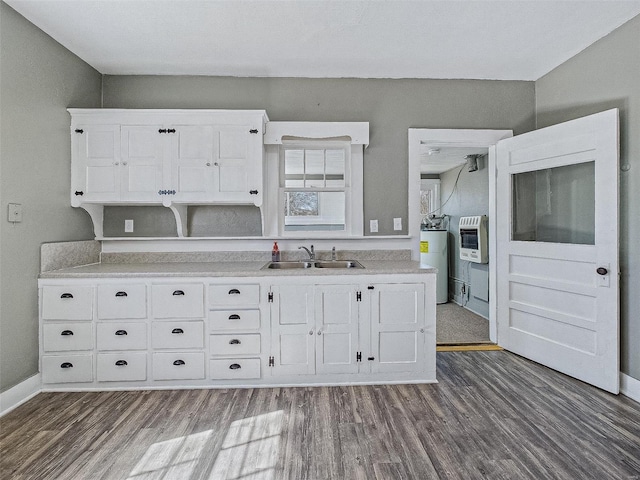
[{"x": 354, "y": 136}]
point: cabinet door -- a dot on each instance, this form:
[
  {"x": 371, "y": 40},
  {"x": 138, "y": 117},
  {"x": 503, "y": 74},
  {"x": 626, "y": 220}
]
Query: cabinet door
[
  {"x": 142, "y": 152},
  {"x": 336, "y": 309},
  {"x": 292, "y": 330},
  {"x": 238, "y": 164},
  {"x": 95, "y": 163},
  {"x": 397, "y": 327},
  {"x": 192, "y": 163}
]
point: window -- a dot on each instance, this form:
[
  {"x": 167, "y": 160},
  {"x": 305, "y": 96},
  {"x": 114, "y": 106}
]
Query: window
[{"x": 314, "y": 186}]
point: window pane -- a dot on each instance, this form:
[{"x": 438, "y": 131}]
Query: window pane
[
  {"x": 314, "y": 168},
  {"x": 555, "y": 205},
  {"x": 293, "y": 168},
  {"x": 314, "y": 211}
]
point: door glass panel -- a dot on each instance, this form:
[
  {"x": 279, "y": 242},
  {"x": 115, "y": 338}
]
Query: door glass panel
[{"x": 554, "y": 205}]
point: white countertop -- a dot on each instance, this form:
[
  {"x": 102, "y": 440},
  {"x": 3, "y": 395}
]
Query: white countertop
[{"x": 228, "y": 269}]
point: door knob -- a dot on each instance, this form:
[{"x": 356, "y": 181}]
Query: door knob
[{"x": 602, "y": 271}]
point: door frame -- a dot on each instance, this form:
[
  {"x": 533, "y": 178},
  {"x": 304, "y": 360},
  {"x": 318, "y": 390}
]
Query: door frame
[{"x": 443, "y": 138}]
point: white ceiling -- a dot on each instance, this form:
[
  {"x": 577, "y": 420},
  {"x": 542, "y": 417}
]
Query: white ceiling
[{"x": 481, "y": 39}]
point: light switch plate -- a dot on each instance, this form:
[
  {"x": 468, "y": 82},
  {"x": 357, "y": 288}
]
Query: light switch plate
[
  {"x": 128, "y": 226},
  {"x": 373, "y": 226},
  {"x": 14, "y": 214},
  {"x": 397, "y": 223}
]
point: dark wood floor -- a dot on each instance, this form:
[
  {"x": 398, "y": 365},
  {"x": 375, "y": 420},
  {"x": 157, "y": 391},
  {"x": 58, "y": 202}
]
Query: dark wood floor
[{"x": 493, "y": 415}]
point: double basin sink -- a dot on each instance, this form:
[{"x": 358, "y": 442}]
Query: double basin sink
[{"x": 340, "y": 264}]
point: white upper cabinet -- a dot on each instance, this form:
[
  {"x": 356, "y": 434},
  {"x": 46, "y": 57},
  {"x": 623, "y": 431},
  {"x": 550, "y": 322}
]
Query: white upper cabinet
[{"x": 167, "y": 156}]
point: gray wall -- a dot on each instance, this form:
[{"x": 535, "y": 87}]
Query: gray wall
[
  {"x": 607, "y": 75},
  {"x": 39, "y": 79},
  {"x": 470, "y": 197},
  {"x": 390, "y": 107}
]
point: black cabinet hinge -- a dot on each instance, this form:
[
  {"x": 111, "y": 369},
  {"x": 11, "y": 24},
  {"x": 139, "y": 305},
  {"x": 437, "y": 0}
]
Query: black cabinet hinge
[
  {"x": 253, "y": 130},
  {"x": 79, "y": 193},
  {"x": 79, "y": 130},
  {"x": 253, "y": 192},
  {"x": 370, "y": 287},
  {"x": 358, "y": 296},
  {"x": 270, "y": 297},
  {"x": 162, "y": 130},
  {"x": 272, "y": 361},
  {"x": 358, "y": 356}
]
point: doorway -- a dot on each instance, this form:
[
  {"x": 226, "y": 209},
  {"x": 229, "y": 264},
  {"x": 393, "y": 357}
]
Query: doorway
[{"x": 459, "y": 163}]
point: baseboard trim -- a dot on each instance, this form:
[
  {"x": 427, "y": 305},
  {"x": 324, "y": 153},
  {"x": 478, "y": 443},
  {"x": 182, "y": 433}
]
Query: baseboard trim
[
  {"x": 19, "y": 394},
  {"x": 630, "y": 387}
]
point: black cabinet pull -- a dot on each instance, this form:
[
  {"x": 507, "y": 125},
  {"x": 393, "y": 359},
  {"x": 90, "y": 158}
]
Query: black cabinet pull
[
  {"x": 162, "y": 130},
  {"x": 253, "y": 130},
  {"x": 79, "y": 193},
  {"x": 66, "y": 365},
  {"x": 171, "y": 130},
  {"x": 120, "y": 333},
  {"x": 370, "y": 287},
  {"x": 177, "y": 331},
  {"x": 253, "y": 192},
  {"x": 121, "y": 363},
  {"x": 234, "y": 316},
  {"x": 79, "y": 130},
  {"x": 66, "y": 295},
  {"x": 121, "y": 294},
  {"x": 178, "y": 293},
  {"x": 371, "y": 359},
  {"x": 235, "y": 341},
  {"x": 66, "y": 333},
  {"x": 234, "y": 291},
  {"x": 602, "y": 271},
  {"x": 234, "y": 366},
  {"x": 177, "y": 363}
]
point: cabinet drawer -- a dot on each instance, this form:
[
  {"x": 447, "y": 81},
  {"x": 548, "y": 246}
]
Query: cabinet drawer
[
  {"x": 234, "y": 344},
  {"x": 221, "y": 320},
  {"x": 121, "y": 367},
  {"x": 121, "y": 336},
  {"x": 233, "y": 369},
  {"x": 122, "y": 301},
  {"x": 241, "y": 295},
  {"x": 67, "y": 368},
  {"x": 178, "y": 366},
  {"x": 177, "y": 335},
  {"x": 61, "y": 337},
  {"x": 67, "y": 303},
  {"x": 178, "y": 301}
]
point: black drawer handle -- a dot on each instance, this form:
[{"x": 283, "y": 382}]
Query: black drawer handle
[
  {"x": 121, "y": 332},
  {"x": 121, "y": 294},
  {"x": 121, "y": 363},
  {"x": 234, "y": 291},
  {"x": 253, "y": 130},
  {"x": 235, "y": 341},
  {"x": 66, "y": 365},
  {"x": 79, "y": 130},
  {"x": 234, "y": 316},
  {"x": 177, "y": 363},
  {"x": 178, "y": 293},
  {"x": 162, "y": 130},
  {"x": 177, "y": 331},
  {"x": 171, "y": 130},
  {"x": 234, "y": 366},
  {"x": 253, "y": 192},
  {"x": 65, "y": 333},
  {"x": 66, "y": 295},
  {"x": 79, "y": 193}
]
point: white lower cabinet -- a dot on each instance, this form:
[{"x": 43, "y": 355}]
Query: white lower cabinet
[{"x": 245, "y": 331}]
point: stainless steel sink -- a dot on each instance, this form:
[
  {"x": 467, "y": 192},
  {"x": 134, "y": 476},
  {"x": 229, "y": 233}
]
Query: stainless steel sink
[
  {"x": 287, "y": 265},
  {"x": 342, "y": 264},
  {"x": 338, "y": 264}
]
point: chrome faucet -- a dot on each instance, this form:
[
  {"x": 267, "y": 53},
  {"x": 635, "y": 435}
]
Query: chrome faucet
[{"x": 312, "y": 253}]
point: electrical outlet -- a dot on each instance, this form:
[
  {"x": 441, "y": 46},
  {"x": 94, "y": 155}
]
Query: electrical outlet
[
  {"x": 397, "y": 223},
  {"x": 373, "y": 226},
  {"x": 14, "y": 214},
  {"x": 128, "y": 226}
]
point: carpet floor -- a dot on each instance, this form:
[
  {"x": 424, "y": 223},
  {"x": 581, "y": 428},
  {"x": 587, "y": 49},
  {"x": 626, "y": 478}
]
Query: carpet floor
[{"x": 457, "y": 325}]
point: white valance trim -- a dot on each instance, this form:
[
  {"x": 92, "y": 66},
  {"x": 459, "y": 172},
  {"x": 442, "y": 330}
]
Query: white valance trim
[{"x": 358, "y": 132}]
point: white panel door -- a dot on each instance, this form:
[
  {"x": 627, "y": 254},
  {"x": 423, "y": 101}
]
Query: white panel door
[
  {"x": 193, "y": 165},
  {"x": 292, "y": 330},
  {"x": 337, "y": 333},
  {"x": 96, "y": 171},
  {"x": 397, "y": 328},
  {"x": 557, "y": 247},
  {"x": 143, "y": 153}
]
